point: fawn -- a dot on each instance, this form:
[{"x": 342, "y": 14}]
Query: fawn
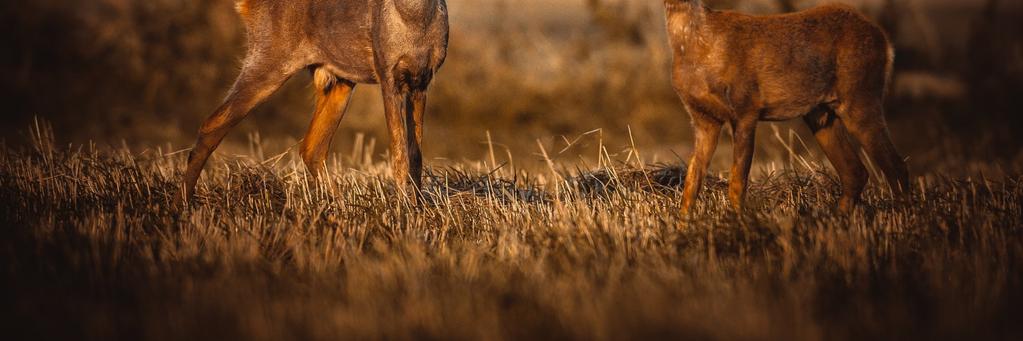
[
  {"x": 398, "y": 44},
  {"x": 829, "y": 65}
]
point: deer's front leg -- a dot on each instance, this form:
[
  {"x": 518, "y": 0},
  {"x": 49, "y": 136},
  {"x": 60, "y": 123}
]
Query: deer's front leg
[
  {"x": 707, "y": 132},
  {"x": 743, "y": 136},
  {"x": 415, "y": 145},
  {"x": 400, "y": 106}
]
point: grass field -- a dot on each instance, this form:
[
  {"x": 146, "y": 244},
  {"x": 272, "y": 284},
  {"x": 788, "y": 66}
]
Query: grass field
[
  {"x": 90, "y": 250},
  {"x": 553, "y": 143}
]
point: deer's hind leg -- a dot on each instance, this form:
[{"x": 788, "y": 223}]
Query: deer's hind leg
[
  {"x": 860, "y": 86},
  {"x": 743, "y": 138},
  {"x": 834, "y": 140},
  {"x": 257, "y": 81},
  {"x": 332, "y": 97},
  {"x": 865, "y": 122}
]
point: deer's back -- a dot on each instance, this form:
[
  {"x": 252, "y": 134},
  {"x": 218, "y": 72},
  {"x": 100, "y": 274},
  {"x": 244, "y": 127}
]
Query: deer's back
[
  {"x": 780, "y": 65},
  {"x": 347, "y": 37}
]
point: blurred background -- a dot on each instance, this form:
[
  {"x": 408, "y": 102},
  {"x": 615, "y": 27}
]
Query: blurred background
[{"x": 570, "y": 75}]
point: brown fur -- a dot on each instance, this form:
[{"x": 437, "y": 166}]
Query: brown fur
[
  {"x": 399, "y": 44},
  {"x": 829, "y": 65}
]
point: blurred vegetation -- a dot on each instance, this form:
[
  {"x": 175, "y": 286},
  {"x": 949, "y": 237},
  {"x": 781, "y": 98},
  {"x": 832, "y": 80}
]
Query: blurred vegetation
[
  {"x": 102, "y": 69},
  {"x": 147, "y": 72}
]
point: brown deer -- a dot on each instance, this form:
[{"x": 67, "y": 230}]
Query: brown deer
[
  {"x": 829, "y": 65},
  {"x": 399, "y": 44}
]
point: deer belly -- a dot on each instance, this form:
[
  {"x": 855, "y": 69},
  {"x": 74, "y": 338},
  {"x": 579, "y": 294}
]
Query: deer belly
[
  {"x": 357, "y": 74},
  {"x": 786, "y": 103},
  {"x": 786, "y": 111},
  {"x": 355, "y": 65}
]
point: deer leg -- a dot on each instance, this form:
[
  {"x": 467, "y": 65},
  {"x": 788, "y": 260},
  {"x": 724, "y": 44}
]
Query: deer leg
[
  {"x": 705, "y": 143},
  {"x": 866, "y": 123},
  {"x": 331, "y": 102},
  {"x": 743, "y": 136},
  {"x": 834, "y": 140},
  {"x": 406, "y": 160},
  {"x": 415, "y": 145},
  {"x": 251, "y": 88}
]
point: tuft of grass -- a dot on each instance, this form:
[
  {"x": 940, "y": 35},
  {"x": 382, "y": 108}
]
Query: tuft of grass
[{"x": 91, "y": 251}]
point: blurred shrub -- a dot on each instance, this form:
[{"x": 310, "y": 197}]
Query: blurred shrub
[
  {"x": 148, "y": 71},
  {"x": 120, "y": 67}
]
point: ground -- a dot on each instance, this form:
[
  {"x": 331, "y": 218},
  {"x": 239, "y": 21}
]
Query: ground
[{"x": 91, "y": 250}]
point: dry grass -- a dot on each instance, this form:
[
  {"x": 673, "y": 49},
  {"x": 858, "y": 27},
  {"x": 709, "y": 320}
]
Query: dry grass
[
  {"x": 90, "y": 251},
  {"x": 582, "y": 241}
]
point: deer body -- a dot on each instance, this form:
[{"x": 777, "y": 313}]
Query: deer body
[
  {"x": 828, "y": 65},
  {"x": 398, "y": 44}
]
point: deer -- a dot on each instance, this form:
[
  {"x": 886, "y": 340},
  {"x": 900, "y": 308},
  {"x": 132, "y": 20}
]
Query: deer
[
  {"x": 829, "y": 65},
  {"x": 399, "y": 44}
]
